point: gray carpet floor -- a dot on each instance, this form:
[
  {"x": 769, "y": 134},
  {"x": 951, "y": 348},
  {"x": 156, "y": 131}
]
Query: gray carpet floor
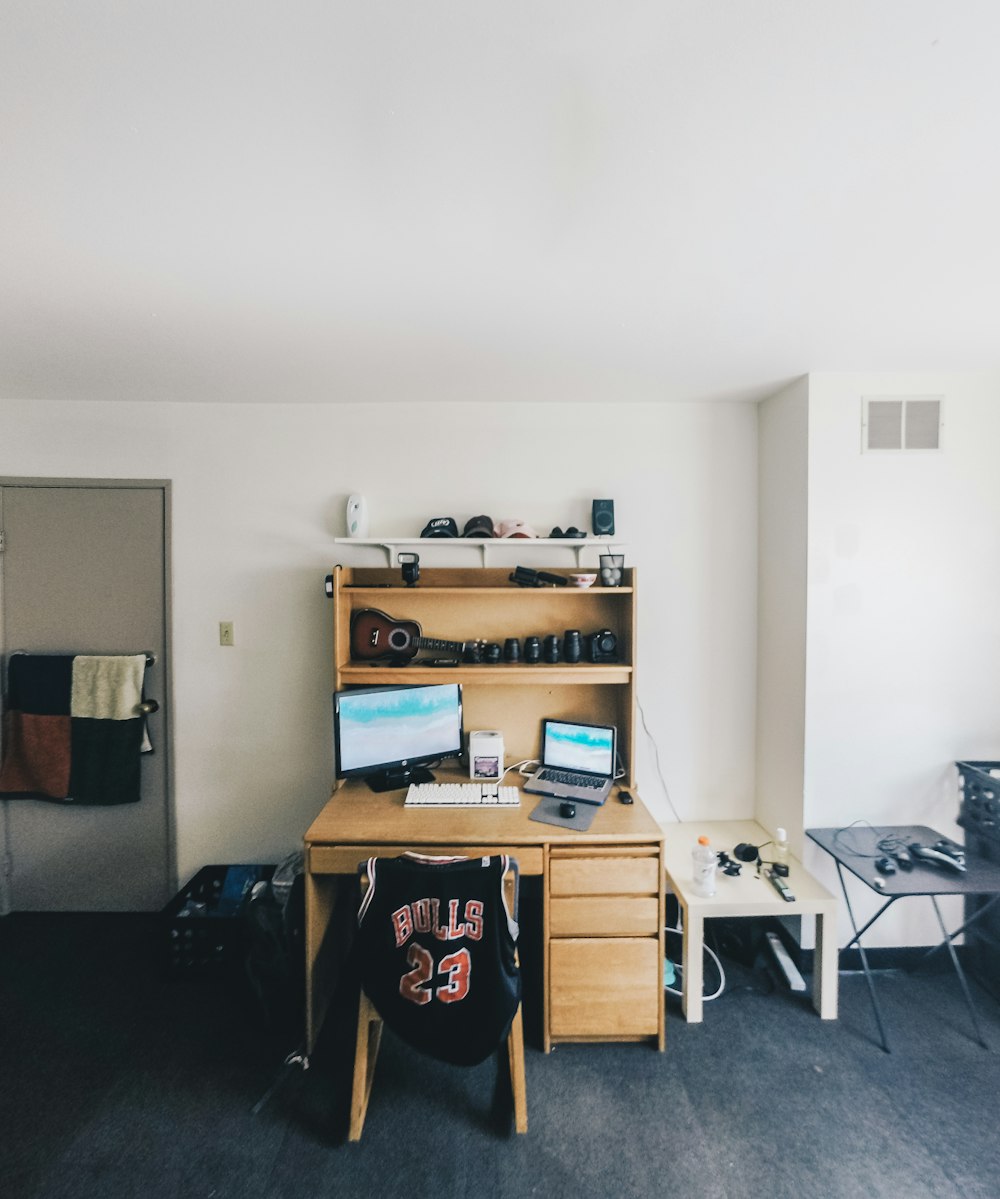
[{"x": 116, "y": 1081}]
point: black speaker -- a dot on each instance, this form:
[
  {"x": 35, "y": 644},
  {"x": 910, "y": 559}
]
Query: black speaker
[{"x": 603, "y": 518}]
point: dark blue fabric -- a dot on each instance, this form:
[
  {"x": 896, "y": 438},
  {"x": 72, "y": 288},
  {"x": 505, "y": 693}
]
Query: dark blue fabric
[
  {"x": 40, "y": 684},
  {"x": 105, "y": 761}
]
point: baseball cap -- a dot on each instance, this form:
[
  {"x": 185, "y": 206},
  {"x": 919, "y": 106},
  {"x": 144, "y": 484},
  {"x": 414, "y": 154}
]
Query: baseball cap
[
  {"x": 440, "y": 526},
  {"x": 515, "y": 528},
  {"x": 478, "y": 526}
]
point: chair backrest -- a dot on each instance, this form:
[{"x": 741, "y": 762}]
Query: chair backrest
[{"x": 437, "y": 941}]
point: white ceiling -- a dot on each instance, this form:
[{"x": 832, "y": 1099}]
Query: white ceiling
[{"x": 323, "y": 200}]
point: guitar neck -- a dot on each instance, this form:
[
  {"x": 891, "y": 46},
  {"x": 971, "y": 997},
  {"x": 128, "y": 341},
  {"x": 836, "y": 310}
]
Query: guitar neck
[{"x": 455, "y": 647}]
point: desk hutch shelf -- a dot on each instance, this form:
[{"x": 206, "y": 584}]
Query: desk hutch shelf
[{"x": 481, "y": 604}]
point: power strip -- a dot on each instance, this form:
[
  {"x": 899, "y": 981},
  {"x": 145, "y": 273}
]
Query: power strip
[{"x": 788, "y": 968}]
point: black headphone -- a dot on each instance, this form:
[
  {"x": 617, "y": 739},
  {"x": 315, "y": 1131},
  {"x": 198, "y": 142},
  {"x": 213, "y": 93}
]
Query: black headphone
[{"x": 746, "y": 852}]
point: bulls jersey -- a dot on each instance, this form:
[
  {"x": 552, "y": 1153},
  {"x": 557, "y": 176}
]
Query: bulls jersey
[{"x": 437, "y": 953}]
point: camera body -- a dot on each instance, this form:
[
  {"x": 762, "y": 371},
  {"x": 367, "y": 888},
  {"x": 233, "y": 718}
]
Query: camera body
[{"x": 601, "y": 646}]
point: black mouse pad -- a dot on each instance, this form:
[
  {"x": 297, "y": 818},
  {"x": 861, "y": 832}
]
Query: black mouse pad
[{"x": 547, "y": 812}]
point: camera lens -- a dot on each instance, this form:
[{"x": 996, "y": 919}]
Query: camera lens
[
  {"x": 512, "y": 650},
  {"x": 492, "y": 652},
  {"x": 571, "y": 645},
  {"x": 551, "y": 648},
  {"x": 532, "y": 650}
]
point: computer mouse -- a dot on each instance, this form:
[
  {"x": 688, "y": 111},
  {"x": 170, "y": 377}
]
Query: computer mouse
[
  {"x": 624, "y": 797},
  {"x": 567, "y": 810}
]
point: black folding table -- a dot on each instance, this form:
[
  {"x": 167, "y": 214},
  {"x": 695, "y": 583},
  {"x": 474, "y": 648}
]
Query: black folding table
[{"x": 857, "y": 848}]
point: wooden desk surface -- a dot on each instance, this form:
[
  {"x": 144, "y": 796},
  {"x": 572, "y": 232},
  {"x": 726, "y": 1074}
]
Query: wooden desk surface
[
  {"x": 580, "y": 1001},
  {"x": 356, "y": 815}
]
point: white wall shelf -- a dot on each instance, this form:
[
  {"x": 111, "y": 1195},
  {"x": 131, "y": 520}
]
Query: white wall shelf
[{"x": 391, "y": 545}]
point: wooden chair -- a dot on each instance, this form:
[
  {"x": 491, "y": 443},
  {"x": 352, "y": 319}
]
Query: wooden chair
[{"x": 369, "y": 1033}]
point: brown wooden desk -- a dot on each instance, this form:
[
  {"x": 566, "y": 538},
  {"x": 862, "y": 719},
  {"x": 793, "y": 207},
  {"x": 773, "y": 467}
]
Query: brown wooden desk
[{"x": 603, "y": 899}]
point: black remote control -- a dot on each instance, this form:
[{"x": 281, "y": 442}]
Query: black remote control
[{"x": 782, "y": 887}]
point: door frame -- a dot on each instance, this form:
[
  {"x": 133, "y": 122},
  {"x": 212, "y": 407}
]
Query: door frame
[{"x": 164, "y": 486}]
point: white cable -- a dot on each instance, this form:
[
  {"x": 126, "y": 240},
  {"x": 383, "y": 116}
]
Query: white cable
[
  {"x": 517, "y": 766},
  {"x": 680, "y": 970},
  {"x": 656, "y": 758}
]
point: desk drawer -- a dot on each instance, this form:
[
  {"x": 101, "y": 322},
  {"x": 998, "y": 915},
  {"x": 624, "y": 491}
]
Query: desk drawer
[
  {"x": 606, "y": 988},
  {"x": 345, "y": 859},
  {"x": 604, "y": 916},
  {"x": 610, "y": 875}
]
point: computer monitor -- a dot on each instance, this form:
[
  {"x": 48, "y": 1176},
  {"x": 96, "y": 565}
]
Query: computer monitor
[{"x": 389, "y": 735}]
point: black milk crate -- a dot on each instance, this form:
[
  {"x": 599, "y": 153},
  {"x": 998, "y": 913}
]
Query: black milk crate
[
  {"x": 979, "y": 807},
  {"x": 203, "y": 922}
]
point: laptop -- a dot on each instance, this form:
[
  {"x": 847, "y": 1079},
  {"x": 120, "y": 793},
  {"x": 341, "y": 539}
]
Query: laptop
[{"x": 578, "y": 761}]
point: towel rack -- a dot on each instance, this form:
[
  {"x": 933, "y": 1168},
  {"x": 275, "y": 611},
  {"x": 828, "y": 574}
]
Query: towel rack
[{"x": 148, "y": 655}]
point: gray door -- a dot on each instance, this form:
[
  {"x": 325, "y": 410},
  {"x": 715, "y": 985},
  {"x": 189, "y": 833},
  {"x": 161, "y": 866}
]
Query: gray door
[{"x": 83, "y": 570}]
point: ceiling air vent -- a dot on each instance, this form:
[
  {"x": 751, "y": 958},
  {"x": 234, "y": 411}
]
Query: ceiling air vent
[{"x": 901, "y": 424}]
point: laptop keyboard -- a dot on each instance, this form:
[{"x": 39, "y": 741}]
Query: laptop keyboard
[{"x": 569, "y": 779}]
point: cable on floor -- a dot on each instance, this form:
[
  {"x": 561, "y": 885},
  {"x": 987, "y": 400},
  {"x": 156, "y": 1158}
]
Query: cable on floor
[{"x": 679, "y": 969}]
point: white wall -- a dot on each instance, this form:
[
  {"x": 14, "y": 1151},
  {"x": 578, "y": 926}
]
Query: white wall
[
  {"x": 903, "y": 640},
  {"x": 259, "y": 492},
  {"x": 898, "y": 620}
]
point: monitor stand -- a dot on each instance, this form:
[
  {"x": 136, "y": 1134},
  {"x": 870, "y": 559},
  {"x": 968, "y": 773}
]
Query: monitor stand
[{"x": 396, "y": 780}]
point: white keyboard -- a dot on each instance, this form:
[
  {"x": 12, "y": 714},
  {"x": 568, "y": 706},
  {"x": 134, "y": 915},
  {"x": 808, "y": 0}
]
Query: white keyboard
[{"x": 461, "y": 795}]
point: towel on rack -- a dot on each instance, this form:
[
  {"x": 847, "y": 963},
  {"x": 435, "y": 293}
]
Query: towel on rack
[
  {"x": 72, "y": 728},
  {"x": 36, "y": 727},
  {"x": 107, "y": 687}
]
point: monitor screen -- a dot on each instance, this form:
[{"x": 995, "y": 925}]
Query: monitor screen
[
  {"x": 389, "y": 735},
  {"x": 586, "y": 747}
]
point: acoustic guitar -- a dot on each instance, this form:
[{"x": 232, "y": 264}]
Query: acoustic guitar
[{"x": 376, "y": 635}]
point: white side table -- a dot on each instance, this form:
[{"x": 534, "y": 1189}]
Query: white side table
[{"x": 746, "y": 895}]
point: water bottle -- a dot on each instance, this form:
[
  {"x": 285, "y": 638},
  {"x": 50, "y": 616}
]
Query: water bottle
[{"x": 703, "y": 863}]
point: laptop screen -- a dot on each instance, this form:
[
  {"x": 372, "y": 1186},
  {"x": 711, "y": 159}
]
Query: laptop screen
[{"x": 586, "y": 747}]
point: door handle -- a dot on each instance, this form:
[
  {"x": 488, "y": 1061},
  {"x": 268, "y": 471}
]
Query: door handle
[{"x": 148, "y": 707}]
